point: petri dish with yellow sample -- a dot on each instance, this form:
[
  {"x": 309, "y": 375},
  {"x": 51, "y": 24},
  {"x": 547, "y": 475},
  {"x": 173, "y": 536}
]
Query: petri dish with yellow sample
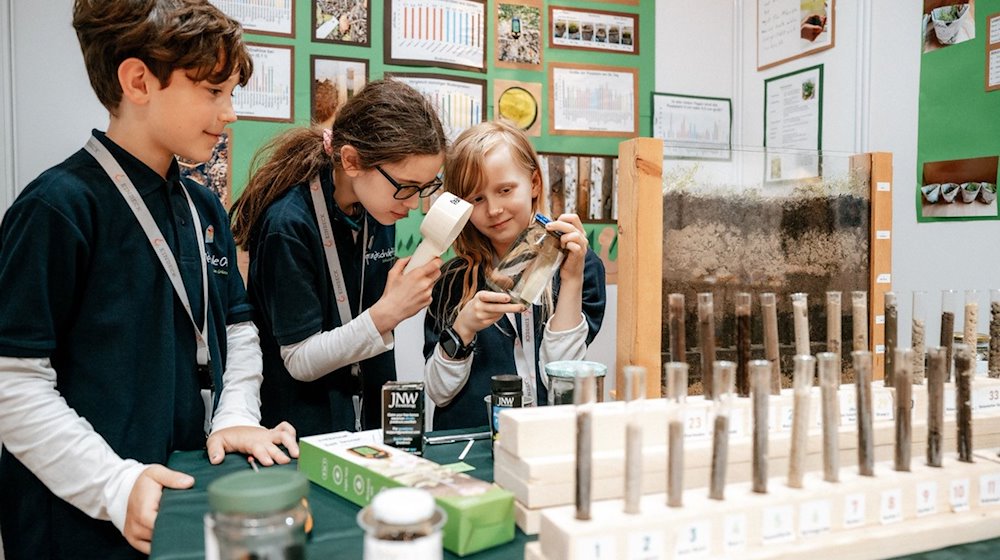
[{"x": 517, "y": 105}]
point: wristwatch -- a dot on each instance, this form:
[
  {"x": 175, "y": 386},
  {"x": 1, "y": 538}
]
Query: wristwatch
[{"x": 451, "y": 344}]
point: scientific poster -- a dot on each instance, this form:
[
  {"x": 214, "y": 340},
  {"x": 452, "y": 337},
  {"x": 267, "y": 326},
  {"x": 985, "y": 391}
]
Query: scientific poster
[
  {"x": 593, "y": 100},
  {"x": 693, "y": 127},
  {"x": 267, "y": 17},
  {"x": 446, "y": 33},
  {"x": 594, "y": 30},
  {"x": 793, "y": 109},
  {"x": 460, "y": 102},
  {"x": 334, "y": 81},
  {"x": 789, "y": 29},
  {"x": 268, "y": 94}
]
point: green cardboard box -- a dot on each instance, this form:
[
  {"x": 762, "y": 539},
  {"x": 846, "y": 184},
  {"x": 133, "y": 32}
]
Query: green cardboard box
[{"x": 356, "y": 466}]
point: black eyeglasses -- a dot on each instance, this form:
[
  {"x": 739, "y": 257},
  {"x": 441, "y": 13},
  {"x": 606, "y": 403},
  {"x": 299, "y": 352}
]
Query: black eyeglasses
[{"x": 406, "y": 191}]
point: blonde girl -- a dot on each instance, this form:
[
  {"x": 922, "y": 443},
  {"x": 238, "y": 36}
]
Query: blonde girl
[{"x": 470, "y": 333}]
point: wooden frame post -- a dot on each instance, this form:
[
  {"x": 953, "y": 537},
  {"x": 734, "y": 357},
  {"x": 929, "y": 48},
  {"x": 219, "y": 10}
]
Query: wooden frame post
[{"x": 640, "y": 261}]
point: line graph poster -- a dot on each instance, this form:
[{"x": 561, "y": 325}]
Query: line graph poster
[
  {"x": 267, "y": 17},
  {"x": 693, "y": 127},
  {"x": 460, "y": 102},
  {"x": 593, "y": 100},
  {"x": 268, "y": 95},
  {"x": 446, "y": 33}
]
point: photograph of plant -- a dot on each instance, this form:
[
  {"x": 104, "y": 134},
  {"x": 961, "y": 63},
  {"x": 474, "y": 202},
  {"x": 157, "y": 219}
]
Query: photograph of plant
[
  {"x": 958, "y": 189},
  {"x": 341, "y": 21},
  {"x": 519, "y": 36},
  {"x": 947, "y": 22}
]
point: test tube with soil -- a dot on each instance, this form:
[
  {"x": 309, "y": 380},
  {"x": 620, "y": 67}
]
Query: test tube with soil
[
  {"x": 891, "y": 336},
  {"x": 965, "y": 369},
  {"x": 993, "y": 367},
  {"x": 706, "y": 339},
  {"x": 829, "y": 382},
  {"x": 970, "y": 327},
  {"x": 584, "y": 395},
  {"x": 677, "y": 374},
  {"x": 635, "y": 393},
  {"x": 678, "y": 346},
  {"x": 833, "y": 322},
  {"x": 905, "y": 363},
  {"x": 724, "y": 375},
  {"x": 859, "y": 316},
  {"x": 937, "y": 370},
  {"x": 949, "y": 306},
  {"x": 800, "y": 317},
  {"x": 863, "y": 393},
  {"x": 742, "y": 342},
  {"x": 805, "y": 371},
  {"x": 918, "y": 338},
  {"x": 760, "y": 381},
  {"x": 769, "y": 312}
]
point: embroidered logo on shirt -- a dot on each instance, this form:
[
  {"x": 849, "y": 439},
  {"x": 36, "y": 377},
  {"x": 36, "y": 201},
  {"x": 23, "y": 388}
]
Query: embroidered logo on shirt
[{"x": 383, "y": 255}]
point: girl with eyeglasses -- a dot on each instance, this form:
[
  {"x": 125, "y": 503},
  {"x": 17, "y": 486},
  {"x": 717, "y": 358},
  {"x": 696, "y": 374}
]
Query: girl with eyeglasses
[
  {"x": 317, "y": 219},
  {"x": 471, "y": 333}
]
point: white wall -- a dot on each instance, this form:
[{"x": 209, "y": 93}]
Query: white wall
[{"x": 54, "y": 106}]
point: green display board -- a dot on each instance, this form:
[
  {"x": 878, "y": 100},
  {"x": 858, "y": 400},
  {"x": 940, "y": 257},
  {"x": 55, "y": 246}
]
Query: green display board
[
  {"x": 250, "y": 135},
  {"x": 959, "y": 128}
]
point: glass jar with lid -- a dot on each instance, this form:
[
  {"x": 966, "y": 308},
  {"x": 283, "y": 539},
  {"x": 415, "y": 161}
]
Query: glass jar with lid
[{"x": 260, "y": 515}]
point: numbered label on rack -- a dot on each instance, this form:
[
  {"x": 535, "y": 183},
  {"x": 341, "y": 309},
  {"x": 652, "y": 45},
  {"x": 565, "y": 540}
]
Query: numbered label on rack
[
  {"x": 958, "y": 496},
  {"x": 737, "y": 426},
  {"x": 595, "y": 548},
  {"x": 989, "y": 489},
  {"x": 892, "y": 506},
  {"x": 695, "y": 422},
  {"x": 735, "y": 537},
  {"x": 854, "y": 510},
  {"x": 848, "y": 408},
  {"x": 694, "y": 540},
  {"x": 927, "y": 498},
  {"x": 786, "y": 413},
  {"x": 949, "y": 401},
  {"x": 986, "y": 398},
  {"x": 645, "y": 545},
  {"x": 882, "y": 403},
  {"x": 777, "y": 525},
  {"x": 815, "y": 518}
]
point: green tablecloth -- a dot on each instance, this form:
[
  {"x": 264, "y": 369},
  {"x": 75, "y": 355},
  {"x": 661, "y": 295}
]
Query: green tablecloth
[{"x": 179, "y": 527}]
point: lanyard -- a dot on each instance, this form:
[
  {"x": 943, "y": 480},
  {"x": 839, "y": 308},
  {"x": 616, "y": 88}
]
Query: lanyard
[
  {"x": 524, "y": 351},
  {"x": 333, "y": 257},
  {"x": 134, "y": 200}
]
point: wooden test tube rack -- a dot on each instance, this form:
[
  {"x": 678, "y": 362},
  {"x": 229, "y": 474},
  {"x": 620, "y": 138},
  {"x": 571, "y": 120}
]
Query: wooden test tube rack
[
  {"x": 535, "y": 456},
  {"x": 859, "y": 517}
]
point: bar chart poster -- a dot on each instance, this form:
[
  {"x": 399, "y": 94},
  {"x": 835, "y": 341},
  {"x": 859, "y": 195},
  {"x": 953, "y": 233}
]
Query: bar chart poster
[
  {"x": 460, "y": 102},
  {"x": 593, "y": 100},
  {"x": 267, "y": 17},
  {"x": 693, "y": 127},
  {"x": 268, "y": 95},
  {"x": 445, "y": 33}
]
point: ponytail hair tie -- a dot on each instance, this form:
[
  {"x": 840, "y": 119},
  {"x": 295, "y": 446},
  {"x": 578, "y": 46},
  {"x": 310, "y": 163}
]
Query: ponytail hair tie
[{"x": 328, "y": 141}]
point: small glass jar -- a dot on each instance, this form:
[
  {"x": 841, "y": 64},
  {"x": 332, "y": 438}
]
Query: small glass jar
[
  {"x": 402, "y": 524},
  {"x": 531, "y": 261},
  {"x": 562, "y": 376},
  {"x": 258, "y": 515}
]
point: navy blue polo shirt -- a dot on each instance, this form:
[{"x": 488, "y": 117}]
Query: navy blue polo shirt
[
  {"x": 83, "y": 287},
  {"x": 292, "y": 295},
  {"x": 494, "y": 351}
]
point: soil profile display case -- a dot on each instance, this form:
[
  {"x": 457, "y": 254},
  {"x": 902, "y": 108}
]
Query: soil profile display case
[{"x": 724, "y": 229}]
